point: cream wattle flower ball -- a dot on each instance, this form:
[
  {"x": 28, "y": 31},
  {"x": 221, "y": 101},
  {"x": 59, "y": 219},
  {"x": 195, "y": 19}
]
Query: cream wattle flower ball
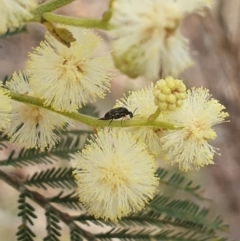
[
  {"x": 146, "y": 36},
  {"x": 14, "y": 13},
  {"x": 115, "y": 175}
]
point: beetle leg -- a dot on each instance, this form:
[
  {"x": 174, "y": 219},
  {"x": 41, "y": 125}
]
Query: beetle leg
[{"x": 110, "y": 122}]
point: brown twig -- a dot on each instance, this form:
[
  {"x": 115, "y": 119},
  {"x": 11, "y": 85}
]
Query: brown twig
[{"x": 16, "y": 183}]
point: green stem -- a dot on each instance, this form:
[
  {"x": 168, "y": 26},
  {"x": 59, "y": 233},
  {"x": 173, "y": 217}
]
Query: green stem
[
  {"x": 155, "y": 115},
  {"x": 90, "y": 121},
  {"x": 79, "y": 22},
  {"x": 48, "y": 7},
  {"x": 108, "y": 14}
]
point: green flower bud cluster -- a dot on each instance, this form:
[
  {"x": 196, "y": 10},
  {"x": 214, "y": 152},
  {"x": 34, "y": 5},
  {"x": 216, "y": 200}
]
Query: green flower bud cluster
[
  {"x": 128, "y": 62},
  {"x": 169, "y": 93}
]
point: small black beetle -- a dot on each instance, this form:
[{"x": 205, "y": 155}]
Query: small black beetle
[{"x": 117, "y": 113}]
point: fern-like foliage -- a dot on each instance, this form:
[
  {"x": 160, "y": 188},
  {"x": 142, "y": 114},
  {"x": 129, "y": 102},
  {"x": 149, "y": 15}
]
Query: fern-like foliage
[
  {"x": 55, "y": 178},
  {"x": 26, "y": 157},
  {"x": 63, "y": 150},
  {"x": 53, "y": 228},
  {"x": 3, "y": 139},
  {"x": 184, "y": 211},
  {"x": 88, "y": 220},
  {"x": 178, "y": 181},
  {"x": 75, "y": 235},
  {"x": 26, "y": 212},
  {"x": 142, "y": 220},
  {"x": 68, "y": 146},
  {"x": 70, "y": 200},
  {"x": 182, "y": 215},
  {"x": 11, "y": 32},
  {"x": 5, "y": 79},
  {"x": 163, "y": 235}
]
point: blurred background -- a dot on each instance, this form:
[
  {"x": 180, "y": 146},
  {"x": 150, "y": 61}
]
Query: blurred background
[{"x": 215, "y": 47}]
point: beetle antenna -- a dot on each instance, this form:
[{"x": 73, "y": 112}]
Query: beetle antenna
[{"x": 134, "y": 112}]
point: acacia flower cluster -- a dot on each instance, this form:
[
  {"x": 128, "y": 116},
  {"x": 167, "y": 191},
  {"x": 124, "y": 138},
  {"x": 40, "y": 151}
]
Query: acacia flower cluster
[
  {"x": 115, "y": 171},
  {"x": 63, "y": 77},
  {"x": 32, "y": 126},
  {"x": 115, "y": 175},
  {"x": 102, "y": 167},
  {"x": 14, "y": 13},
  {"x": 187, "y": 144},
  {"x": 69, "y": 77},
  {"x": 146, "y": 39}
]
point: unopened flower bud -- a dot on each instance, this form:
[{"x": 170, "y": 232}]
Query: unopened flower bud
[
  {"x": 169, "y": 93},
  {"x": 128, "y": 62}
]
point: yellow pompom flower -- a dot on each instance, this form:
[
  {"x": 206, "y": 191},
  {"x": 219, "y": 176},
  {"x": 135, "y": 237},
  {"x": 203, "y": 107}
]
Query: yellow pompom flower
[
  {"x": 69, "y": 77},
  {"x": 32, "y": 126},
  {"x": 142, "y": 101},
  {"x": 115, "y": 175},
  {"x": 169, "y": 93},
  {"x": 146, "y": 39},
  {"x": 188, "y": 144},
  {"x": 5, "y": 108},
  {"x": 14, "y": 13}
]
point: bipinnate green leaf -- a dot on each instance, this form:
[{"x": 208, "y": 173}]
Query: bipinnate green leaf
[
  {"x": 27, "y": 214},
  {"x": 54, "y": 178},
  {"x": 53, "y": 228},
  {"x": 70, "y": 200}
]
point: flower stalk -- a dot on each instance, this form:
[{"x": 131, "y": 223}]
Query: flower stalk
[
  {"x": 108, "y": 14},
  {"x": 78, "y": 22},
  {"x": 48, "y": 7},
  {"x": 155, "y": 115}
]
